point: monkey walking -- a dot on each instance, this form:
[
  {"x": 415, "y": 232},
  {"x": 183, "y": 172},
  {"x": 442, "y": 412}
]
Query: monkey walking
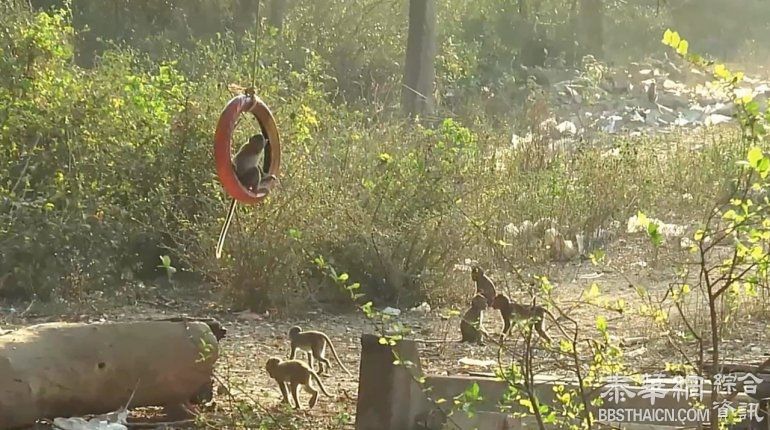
[
  {"x": 484, "y": 285},
  {"x": 294, "y": 373},
  {"x": 246, "y": 166},
  {"x": 314, "y": 343},
  {"x": 471, "y": 324},
  {"x": 517, "y": 312}
]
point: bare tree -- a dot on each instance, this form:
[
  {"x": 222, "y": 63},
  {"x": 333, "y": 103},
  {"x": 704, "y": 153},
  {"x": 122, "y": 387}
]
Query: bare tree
[
  {"x": 419, "y": 70},
  {"x": 592, "y": 17},
  {"x": 246, "y": 15},
  {"x": 277, "y": 13}
]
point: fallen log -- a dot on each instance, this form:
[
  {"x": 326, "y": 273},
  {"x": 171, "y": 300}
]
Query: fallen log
[{"x": 62, "y": 370}]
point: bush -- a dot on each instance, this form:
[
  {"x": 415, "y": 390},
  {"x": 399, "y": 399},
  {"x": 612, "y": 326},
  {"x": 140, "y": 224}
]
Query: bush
[{"x": 106, "y": 169}]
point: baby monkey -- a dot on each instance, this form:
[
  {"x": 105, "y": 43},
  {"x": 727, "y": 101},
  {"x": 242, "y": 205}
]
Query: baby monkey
[
  {"x": 512, "y": 310},
  {"x": 470, "y": 325},
  {"x": 294, "y": 373},
  {"x": 484, "y": 285},
  {"x": 314, "y": 343},
  {"x": 249, "y": 174}
]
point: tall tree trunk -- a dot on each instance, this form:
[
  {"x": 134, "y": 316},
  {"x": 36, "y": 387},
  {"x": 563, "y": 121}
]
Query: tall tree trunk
[
  {"x": 419, "y": 70},
  {"x": 277, "y": 13},
  {"x": 245, "y": 15},
  {"x": 592, "y": 13},
  {"x": 571, "y": 54}
]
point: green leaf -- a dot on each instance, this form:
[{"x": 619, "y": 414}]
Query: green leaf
[
  {"x": 597, "y": 257},
  {"x": 294, "y": 233},
  {"x": 654, "y": 233},
  {"x": 764, "y": 166},
  {"x": 754, "y": 157}
]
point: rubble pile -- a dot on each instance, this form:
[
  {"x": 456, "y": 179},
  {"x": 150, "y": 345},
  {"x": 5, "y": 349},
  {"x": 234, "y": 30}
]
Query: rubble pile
[{"x": 656, "y": 96}]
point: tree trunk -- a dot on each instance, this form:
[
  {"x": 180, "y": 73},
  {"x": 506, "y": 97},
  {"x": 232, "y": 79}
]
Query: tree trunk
[
  {"x": 245, "y": 16},
  {"x": 592, "y": 12},
  {"x": 277, "y": 13},
  {"x": 63, "y": 370},
  {"x": 571, "y": 54},
  {"x": 419, "y": 70}
]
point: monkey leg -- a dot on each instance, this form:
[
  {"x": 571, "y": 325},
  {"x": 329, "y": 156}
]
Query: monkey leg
[
  {"x": 541, "y": 330},
  {"x": 506, "y": 325},
  {"x": 314, "y": 394},
  {"x": 479, "y": 338},
  {"x": 309, "y": 356},
  {"x": 323, "y": 365},
  {"x": 282, "y": 385},
  {"x": 467, "y": 332},
  {"x": 294, "y": 389},
  {"x": 293, "y": 353},
  {"x": 180, "y": 411}
]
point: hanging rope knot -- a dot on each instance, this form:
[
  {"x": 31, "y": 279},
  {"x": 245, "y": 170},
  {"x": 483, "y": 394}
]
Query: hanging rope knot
[{"x": 250, "y": 93}]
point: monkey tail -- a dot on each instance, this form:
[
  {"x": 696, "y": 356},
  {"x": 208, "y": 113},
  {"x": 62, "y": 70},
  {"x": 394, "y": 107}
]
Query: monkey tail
[
  {"x": 223, "y": 233},
  {"x": 320, "y": 384},
  {"x": 556, "y": 322},
  {"x": 336, "y": 357}
]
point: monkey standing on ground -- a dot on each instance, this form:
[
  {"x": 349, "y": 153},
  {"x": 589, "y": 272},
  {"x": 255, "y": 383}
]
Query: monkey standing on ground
[
  {"x": 512, "y": 310},
  {"x": 470, "y": 325},
  {"x": 484, "y": 285},
  {"x": 246, "y": 166},
  {"x": 314, "y": 342},
  {"x": 294, "y": 373}
]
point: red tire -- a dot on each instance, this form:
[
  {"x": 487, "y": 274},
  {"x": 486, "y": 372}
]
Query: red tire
[{"x": 223, "y": 146}]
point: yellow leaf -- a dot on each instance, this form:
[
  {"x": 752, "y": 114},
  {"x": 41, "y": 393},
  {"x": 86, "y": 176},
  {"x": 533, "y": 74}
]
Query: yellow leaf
[
  {"x": 593, "y": 291},
  {"x": 675, "y": 39},
  {"x": 720, "y": 71},
  {"x": 755, "y": 156},
  {"x": 683, "y": 47}
]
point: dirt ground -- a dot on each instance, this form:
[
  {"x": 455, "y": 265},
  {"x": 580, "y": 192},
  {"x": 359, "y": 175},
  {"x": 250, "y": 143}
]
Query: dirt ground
[{"x": 252, "y": 338}]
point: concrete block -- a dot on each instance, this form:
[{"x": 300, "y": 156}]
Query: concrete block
[
  {"x": 389, "y": 398},
  {"x": 485, "y": 421}
]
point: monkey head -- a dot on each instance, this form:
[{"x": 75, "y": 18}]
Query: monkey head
[
  {"x": 272, "y": 364},
  {"x": 500, "y": 302},
  {"x": 476, "y": 273},
  {"x": 294, "y": 331},
  {"x": 258, "y": 140}
]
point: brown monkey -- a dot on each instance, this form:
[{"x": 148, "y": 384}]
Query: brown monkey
[
  {"x": 294, "y": 373},
  {"x": 484, "y": 285},
  {"x": 314, "y": 343},
  {"x": 512, "y": 310},
  {"x": 246, "y": 166},
  {"x": 471, "y": 324}
]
